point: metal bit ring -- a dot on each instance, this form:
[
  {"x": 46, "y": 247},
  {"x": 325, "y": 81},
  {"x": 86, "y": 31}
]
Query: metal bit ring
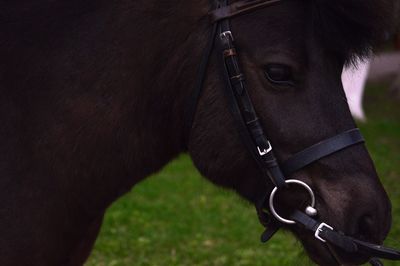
[{"x": 275, "y": 190}]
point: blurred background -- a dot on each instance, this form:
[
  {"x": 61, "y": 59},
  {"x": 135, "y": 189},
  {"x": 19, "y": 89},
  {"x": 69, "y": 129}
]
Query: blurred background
[{"x": 178, "y": 218}]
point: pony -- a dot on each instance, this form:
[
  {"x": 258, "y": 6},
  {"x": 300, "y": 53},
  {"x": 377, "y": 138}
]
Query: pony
[{"x": 93, "y": 97}]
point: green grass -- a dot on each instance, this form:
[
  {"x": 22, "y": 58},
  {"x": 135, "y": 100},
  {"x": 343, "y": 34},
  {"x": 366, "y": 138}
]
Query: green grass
[{"x": 178, "y": 218}]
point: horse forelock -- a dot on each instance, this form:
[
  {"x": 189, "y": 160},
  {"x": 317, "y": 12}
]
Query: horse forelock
[{"x": 352, "y": 28}]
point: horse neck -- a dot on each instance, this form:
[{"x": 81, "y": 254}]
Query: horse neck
[
  {"x": 166, "y": 45},
  {"x": 125, "y": 69}
]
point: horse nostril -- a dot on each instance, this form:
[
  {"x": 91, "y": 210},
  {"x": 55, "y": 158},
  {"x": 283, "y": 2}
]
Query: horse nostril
[
  {"x": 366, "y": 228},
  {"x": 372, "y": 226},
  {"x": 371, "y": 220}
]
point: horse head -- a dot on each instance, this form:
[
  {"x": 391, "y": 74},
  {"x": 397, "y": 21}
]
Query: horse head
[{"x": 292, "y": 54}]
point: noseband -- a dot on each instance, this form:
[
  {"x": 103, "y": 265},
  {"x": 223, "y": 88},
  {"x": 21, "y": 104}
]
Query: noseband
[{"x": 256, "y": 142}]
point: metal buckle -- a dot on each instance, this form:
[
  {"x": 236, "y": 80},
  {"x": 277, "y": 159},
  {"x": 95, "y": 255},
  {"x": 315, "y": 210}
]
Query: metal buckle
[
  {"x": 319, "y": 230},
  {"x": 265, "y": 151},
  {"x": 226, "y": 34}
]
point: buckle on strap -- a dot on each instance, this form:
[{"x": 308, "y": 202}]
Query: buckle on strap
[
  {"x": 263, "y": 152},
  {"x": 226, "y": 35},
  {"x": 319, "y": 230}
]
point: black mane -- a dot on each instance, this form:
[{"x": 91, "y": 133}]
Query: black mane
[{"x": 352, "y": 28}]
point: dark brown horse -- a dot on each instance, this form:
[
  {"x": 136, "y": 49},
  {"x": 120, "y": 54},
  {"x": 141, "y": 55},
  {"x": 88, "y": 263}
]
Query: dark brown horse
[{"x": 93, "y": 95}]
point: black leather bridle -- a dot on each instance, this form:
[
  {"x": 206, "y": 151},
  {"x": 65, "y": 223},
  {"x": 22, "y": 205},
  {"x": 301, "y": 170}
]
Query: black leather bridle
[{"x": 256, "y": 142}]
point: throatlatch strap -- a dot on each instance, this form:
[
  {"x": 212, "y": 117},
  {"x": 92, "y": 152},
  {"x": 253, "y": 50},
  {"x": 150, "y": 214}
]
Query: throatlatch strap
[
  {"x": 321, "y": 150},
  {"x": 191, "y": 107}
]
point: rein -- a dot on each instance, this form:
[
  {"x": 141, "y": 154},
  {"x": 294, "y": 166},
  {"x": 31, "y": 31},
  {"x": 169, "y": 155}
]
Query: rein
[{"x": 256, "y": 142}]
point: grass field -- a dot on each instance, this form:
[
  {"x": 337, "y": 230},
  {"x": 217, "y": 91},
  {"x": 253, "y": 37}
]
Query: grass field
[{"x": 178, "y": 218}]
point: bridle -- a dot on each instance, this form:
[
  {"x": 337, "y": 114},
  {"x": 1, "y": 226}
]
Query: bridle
[{"x": 256, "y": 142}]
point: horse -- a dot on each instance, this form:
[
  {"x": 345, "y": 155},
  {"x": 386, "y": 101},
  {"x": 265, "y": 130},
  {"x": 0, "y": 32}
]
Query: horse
[{"x": 94, "y": 96}]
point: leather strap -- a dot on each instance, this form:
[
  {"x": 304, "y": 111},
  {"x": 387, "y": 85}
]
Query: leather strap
[
  {"x": 375, "y": 262},
  {"x": 191, "y": 106},
  {"x": 242, "y": 109},
  {"x": 239, "y": 8},
  {"x": 271, "y": 225},
  {"x": 269, "y": 232},
  {"x": 346, "y": 243},
  {"x": 321, "y": 150},
  {"x": 377, "y": 250}
]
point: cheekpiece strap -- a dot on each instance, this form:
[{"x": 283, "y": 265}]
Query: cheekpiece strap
[{"x": 242, "y": 109}]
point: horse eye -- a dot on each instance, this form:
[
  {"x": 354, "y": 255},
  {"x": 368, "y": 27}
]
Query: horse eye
[{"x": 279, "y": 74}]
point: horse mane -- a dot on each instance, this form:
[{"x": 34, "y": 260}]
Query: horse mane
[
  {"x": 352, "y": 28},
  {"x": 24, "y": 11},
  {"x": 348, "y": 28}
]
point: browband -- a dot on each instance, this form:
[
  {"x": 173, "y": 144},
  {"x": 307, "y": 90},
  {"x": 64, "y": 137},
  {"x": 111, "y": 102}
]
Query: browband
[{"x": 239, "y": 8}]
